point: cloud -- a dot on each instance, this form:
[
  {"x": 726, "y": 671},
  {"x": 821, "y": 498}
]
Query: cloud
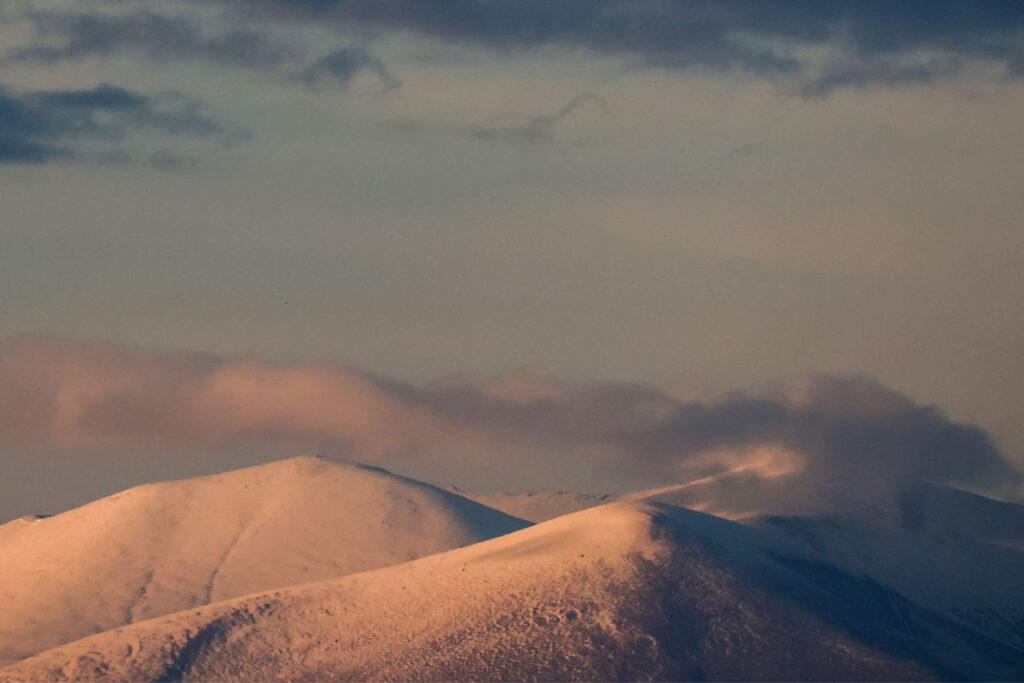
[
  {"x": 808, "y": 48},
  {"x": 864, "y": 73},
  {"x": 69, "y": 36},
  {"x": 538, "y": 128},
  {"x": 67, "y": 125},
  {"x": 169, "y": 161},
  {"x": 62, "y": 36},
  {"x": 344, "y": 65},
  {"x": 66, "y": 393},
  {"x": 872, "y": 42}
]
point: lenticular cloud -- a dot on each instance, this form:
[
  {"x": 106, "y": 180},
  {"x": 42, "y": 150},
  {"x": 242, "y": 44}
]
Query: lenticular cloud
[{"x": 68, "y": 393}]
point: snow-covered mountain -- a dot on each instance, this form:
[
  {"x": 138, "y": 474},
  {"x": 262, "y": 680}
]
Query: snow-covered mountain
[
  {"x": 624, "y": 591},
  {"x": 312, "y": 569},
  {"x": 170, "y": 546},
  {"x": 959, "y": 554}
]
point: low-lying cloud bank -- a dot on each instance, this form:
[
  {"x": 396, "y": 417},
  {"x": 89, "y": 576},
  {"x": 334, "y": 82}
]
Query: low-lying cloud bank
[{"x": 67, "y": 393}]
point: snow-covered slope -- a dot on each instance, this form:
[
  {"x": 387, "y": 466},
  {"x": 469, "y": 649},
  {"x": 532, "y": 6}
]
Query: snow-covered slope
[
  {"x": 624, "y": 591},
  {"x": 959, "y": 554},
  {"x": 936, "y": 510},
  {"x": 165, "y": 547}
]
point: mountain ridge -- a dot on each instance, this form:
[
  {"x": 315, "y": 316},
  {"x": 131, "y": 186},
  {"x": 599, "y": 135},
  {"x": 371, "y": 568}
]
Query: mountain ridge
[{"x": 628, "y": 590}]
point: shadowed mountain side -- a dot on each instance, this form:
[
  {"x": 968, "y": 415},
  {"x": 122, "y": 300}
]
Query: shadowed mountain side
[
  {"x": 938, "y": 510},
  {"x": 165, "y": 547},
  {"x": 977, "y": 584},
  {"x": 625, "y": 591},
  {"x": 960, "y": 554}
]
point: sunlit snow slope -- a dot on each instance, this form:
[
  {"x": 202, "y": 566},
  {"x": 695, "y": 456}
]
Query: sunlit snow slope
[
  {"x": 624, "y": 591},
  {"x": 165, "y": 547}
]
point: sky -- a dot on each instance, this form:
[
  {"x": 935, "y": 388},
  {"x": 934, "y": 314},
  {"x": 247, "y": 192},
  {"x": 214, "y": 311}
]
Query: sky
[{"x": 511, "y": 245}]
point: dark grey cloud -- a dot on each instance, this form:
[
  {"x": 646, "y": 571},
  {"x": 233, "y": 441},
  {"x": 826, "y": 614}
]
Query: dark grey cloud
[
  {"x": 894, "y": 439},
  {"x": 62, "y": 36},
  {"x": 75, "y": 35},
  {"x": 867, "y": 72},
  {"x": 342, "y": 66},
  {"x": 15, "y": 150},
  {"x": 872, "y": 41},
  {"x": 847, "y": 428},
  {"x": 55, "y": 125},
  {"x": 866, "y": 43}
]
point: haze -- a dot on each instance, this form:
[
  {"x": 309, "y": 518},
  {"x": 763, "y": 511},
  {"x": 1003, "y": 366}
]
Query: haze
[{"x": 673, "y": 202}]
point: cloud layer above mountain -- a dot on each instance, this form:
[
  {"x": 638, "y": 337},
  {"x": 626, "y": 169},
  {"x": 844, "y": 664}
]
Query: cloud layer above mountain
[{"x": 66, "y": 393}]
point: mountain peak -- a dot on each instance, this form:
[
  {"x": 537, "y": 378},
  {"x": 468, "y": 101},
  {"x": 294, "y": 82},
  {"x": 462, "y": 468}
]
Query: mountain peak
[{"x": 169, "y": 546}]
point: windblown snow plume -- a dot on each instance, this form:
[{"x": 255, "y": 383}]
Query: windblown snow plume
[{"x": 66, "y": 393}]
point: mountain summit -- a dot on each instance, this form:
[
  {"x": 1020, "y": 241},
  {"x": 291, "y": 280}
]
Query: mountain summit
[{"x": 165, "y": 547}]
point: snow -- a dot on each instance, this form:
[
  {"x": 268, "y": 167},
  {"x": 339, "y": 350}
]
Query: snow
[
  {"x": 311, "y": 569},
  {"x": 165, "y": 547},
  {"x": 622, "y": 591}
]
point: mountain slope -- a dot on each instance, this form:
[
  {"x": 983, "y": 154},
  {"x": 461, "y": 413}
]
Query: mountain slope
[
  {"x": 958, "y": 553},
  {"x": 622, "y": 591},
  {"x": 165, "y": 547}
]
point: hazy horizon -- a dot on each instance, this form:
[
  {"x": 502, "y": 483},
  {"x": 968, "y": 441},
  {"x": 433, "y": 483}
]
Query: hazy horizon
[{"x": 519, "y": 246}]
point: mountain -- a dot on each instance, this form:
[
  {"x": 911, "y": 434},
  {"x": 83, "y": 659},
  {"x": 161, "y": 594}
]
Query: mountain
[
  {"x": 959, "y": 554},
  {"x": 740, "y": 493},
  {"x": 624, "y": 591},
  {"x": 165, "y": 547},
  {"x": 539, "y": 507}
]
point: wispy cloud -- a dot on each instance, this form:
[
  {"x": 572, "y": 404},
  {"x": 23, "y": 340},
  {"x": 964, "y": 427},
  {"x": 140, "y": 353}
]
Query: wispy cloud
[
  {"x": 536, "y": 128},
  {"x": 66, "y": 393},
  {"x": 90, "y": 124},
  {"x": 863, "y": 73},
  {"x": 342, "y": 66},
  {"x": 69, "y": 36}
]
